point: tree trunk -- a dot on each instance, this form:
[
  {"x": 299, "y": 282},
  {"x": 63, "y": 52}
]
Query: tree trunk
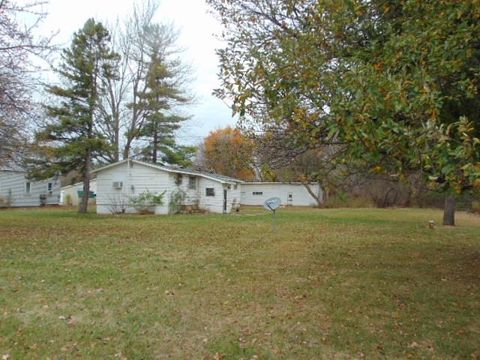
[
  {"x": 317, "y": 197},
  {"x": 126, "y": 150},
  {"x": 116, "y": 145},
  {"x": 155, "y": 142},
  {"x": 86, "y": 185},
  {"x": 449, "y": 211}
]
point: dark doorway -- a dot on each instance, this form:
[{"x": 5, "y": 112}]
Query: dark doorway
[{"x": 224, "y": 201}]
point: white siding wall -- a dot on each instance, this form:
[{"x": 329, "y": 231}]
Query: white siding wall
[
  {"x": 300, "y": 195},
  {"x": 211, "y": 203},
  {"x": 135, "y": 179},
  {"x": 13, "y": 187},
  {"x": 191, "y": 195},
  {"x": 233, "y": 196},
  {"x": 72, "y": 191},
  {"x": 215, "y": 203},
  {"x": 139, "y": 178}
]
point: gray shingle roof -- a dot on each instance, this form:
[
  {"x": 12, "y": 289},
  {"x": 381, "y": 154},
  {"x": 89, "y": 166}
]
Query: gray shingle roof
[
  {"x": 179, "y": 170},
  {"x": 11, "y": 166},
  {"x": 219, "y": 177}
]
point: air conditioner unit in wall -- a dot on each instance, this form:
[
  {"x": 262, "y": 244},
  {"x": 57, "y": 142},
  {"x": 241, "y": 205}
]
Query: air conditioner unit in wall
[{"x": 117, "y": 184}]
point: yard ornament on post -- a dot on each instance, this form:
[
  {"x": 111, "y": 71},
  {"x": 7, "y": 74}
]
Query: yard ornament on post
[{"x": 272, "y": 204}]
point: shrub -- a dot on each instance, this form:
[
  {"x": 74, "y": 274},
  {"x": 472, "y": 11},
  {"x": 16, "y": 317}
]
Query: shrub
[
  {"x": 146, "y": 202},
  {"x": 345, "y": 200},
  {"x": 476, "y": 207},
  {"x": 117, "y": 204},
  {"x": 176, "y": 202},
  {"x": 4, "y": 202}
]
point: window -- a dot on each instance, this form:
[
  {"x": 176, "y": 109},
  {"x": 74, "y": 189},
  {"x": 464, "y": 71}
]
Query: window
[
  {"x": 50, "y": 188},
  {"x": 210, "y": 191},
  {"x": 178, "y": 179},
  {"x": 117, "y": 185},
  {"x": 192, "y": 182},
  {"x": 257, "y": 193},
  {"x": 235, "y": 187},
  {"x": 28, "y": 187}
]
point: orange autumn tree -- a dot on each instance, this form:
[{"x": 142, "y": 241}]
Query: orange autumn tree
[{"x": 228, "y": 152}]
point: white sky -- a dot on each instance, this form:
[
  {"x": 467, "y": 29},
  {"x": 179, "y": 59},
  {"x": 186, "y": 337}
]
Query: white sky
[{"x": 197, "y": 28}]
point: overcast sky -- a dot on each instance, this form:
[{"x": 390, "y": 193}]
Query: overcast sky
[{"x": 197, "y": 28}]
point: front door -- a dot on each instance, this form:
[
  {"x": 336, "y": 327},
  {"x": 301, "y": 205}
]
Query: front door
[{"x": 224, "y": 201}]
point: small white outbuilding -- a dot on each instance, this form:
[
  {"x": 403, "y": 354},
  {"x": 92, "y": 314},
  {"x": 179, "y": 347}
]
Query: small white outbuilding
[
  {"x": 291, "y": 194},
  {"x": 118, "y": 183},
  {"x": 70, "y": 194}
]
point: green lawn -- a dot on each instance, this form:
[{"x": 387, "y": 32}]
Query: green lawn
[{"x": 343, "y": 283}]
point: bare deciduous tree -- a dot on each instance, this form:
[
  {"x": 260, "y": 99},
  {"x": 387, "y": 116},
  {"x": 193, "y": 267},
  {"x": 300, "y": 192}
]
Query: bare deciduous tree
[
  {"x": 18, "y": 46},
  {"x": 125, "y": 116}
]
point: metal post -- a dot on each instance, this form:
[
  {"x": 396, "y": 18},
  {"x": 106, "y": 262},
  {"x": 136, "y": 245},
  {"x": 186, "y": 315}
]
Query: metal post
[{"x": 273, "y": 221}]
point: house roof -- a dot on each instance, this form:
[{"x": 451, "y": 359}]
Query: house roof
[
  {"x": 80, "y": 183},
  {"x": 11, "y": 166},
  {"x": 171, "y": 169}
]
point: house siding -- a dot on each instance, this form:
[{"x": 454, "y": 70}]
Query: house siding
[
  {"x": 136, "y": 178},
  {"x": 192, "y": 196},
  {"x": 211, "y": 203},
  {"x": 300, "y": 195},
  {"x": 13, "y": 190},
  {"x": 70, "y": 193},
  {"x": 215, "y": 203}
]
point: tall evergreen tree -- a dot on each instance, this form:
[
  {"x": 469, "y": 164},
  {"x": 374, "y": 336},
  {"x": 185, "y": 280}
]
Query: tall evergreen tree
[
  {"x": 72, "y": 139},
  {"x": 162, "y": 94},
  {"x": 124, "y": 108}
]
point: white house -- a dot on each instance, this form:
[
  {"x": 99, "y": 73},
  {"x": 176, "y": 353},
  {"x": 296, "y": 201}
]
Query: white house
[
  {"x": 16, "y": 190},
  {"x": 70, "y": 193},
  {"x": 118, "y": 183},
  {"x": 294, "y": 193}
]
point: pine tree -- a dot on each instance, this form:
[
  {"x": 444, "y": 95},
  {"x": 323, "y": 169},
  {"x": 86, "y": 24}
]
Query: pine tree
[
  {"x": 162, "y": 94},
  {"x": 73, "y": 139}
]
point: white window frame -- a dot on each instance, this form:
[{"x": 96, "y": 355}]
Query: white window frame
[
  {"x": 192, "y": 183},
  {"x": 210, "y": 188},
  {"x": 178, "y": 179}
]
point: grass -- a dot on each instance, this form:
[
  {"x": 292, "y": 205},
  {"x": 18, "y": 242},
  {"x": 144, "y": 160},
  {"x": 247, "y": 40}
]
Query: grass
[{"x": 341, "y": 283}]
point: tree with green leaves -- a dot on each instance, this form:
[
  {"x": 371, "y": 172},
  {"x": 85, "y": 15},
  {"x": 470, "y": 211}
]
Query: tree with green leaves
[
  {"x": 127, "y": 106},
  {"x": 72, "y": 139},
  {"x": 393, "y": 83},
  {"x": 163, "y": 92}
]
